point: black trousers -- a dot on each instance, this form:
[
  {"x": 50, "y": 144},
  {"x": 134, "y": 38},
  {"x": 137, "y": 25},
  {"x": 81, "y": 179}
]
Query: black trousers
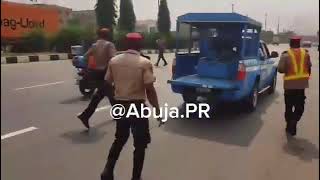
[
  {"x": 104, "y": 89},
  {"x": 294, "y": 100},
  {"x": 161, "y": 56},
  {"x": 141, "y": 135}
]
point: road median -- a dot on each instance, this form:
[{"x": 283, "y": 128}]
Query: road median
[{"x": 53, "y": 57}]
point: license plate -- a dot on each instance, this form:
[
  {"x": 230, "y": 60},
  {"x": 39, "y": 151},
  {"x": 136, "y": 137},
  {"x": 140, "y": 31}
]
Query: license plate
[{"x": 203, "y": 90}]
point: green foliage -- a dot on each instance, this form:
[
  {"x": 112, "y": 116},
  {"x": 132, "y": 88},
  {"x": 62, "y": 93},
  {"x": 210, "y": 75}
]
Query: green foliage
[
  {"x": 127, "y": 19},
  {"x": 34, "y": 41},
  {"x": 163, "y": 22},
  {"x": 106, "y": 13},
  {"x": 119, "y": 40},
  {"x": 71, "y": 35}
]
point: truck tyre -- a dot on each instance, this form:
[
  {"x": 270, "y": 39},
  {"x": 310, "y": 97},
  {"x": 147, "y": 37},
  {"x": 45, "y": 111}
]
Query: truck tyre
[
  {"x": 252, "y": 100},
  {"x": 84, "y": 89},
  {"x": 273, "y": 85},
  {"x": 189, "y": 96}
]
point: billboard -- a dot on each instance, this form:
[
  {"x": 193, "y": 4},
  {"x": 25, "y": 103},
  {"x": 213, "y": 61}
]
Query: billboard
[{"x": 18, "y": 19}]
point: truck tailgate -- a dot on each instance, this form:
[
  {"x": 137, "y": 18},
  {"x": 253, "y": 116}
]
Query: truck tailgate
[{"x": 197, "y": 81}]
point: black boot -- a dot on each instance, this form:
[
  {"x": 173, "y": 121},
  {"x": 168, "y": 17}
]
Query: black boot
[
  {"x": 138, "y": 160},
  {"x": 84, "y": 120},
  {"x": 294, "y": 128},
  {"x": 291, "y": 128}
]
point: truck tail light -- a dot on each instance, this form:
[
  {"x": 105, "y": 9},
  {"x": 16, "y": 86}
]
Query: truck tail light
[{"x": 241, "y": 72}]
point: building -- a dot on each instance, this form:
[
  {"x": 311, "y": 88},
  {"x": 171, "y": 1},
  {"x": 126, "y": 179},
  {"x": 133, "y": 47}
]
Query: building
[
  {"x": 146, "y": 26},
  {"x": 87, "y": 17},
  {"x": 20, "y": 18}
]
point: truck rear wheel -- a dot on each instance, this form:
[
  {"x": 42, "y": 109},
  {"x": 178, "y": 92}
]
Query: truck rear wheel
[
  {"x": 189, "y": 96},
  {"x": 273, "y": 85},
  {"x": 252, "y": 100}
]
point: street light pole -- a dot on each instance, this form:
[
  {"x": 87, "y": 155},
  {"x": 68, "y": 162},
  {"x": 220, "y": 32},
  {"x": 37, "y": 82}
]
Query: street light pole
[
  {"x": 265, "y": 21},
  {"x": 232, "y": 8}
]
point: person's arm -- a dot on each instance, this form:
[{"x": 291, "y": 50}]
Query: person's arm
[
  {"x": 112, "y": 50},
  {"x": 282, "y": 63},
  {"x": 309, "y": 63},
  {"x": 88, "y": 54},
  {"x": 152, "y": 96},
  {"x": 151, "y": 93},
  {"x": 108, "y": 77}
]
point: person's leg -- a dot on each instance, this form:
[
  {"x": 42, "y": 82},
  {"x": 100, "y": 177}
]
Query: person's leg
[
  {"x": 288, "y": 98},
  {"x": 298, "y": 107},
  {"x": 94, "y": 102},
  {"x": 121, "y": 137},
  {"x": 164, "y": 60},
  {"x": 159, "y": 57},
  {"x": 109, "y": 92},
  {"x": 299, "y": 104},
  {"x": 141, "y": 136}
]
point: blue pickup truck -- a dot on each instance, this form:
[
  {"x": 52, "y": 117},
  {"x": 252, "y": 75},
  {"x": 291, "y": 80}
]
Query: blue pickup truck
[{"x": 220, "y": 58}]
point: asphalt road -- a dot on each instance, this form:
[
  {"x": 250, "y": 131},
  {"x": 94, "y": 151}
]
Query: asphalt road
[{"x": 41, "y": 138}]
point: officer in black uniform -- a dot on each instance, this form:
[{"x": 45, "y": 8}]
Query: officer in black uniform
[
  {"x": 102, "y": 52},
  {"x": 133, "y": 79}
]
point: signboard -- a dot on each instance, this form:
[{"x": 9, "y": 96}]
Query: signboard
[{"x": 18, "y": 19}]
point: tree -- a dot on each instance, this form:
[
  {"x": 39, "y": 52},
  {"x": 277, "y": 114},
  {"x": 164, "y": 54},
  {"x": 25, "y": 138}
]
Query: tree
[
  {"x": 127, "y": 19},
  {"x": 106, "y": 13},
  {"x": 163, "y": 22}
]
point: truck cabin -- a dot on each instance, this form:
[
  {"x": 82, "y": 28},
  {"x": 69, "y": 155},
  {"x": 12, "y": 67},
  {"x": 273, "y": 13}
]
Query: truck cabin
[{"x": 220, "y": 38}]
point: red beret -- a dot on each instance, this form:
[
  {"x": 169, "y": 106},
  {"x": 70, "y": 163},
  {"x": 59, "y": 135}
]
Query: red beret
[{"x": 134, "y": 37}]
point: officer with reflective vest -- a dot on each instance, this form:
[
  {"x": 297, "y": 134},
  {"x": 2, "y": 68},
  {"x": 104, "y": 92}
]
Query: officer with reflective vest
[
  {"x": 99, "y": 56},
  {"x": 133, "y": 80},
  {"x": 295, "y": 64}
]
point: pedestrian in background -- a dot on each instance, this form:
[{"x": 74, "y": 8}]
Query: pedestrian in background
[
  {"x": 133, "y": 79},
  {"x": 161, "y": 48},
  {"x": 102, "y": 52},
  {"x": 295, "y": 64}
]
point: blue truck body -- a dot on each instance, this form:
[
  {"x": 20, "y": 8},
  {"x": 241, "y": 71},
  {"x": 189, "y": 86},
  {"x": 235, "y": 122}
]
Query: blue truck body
[{"x": 228, "y": 44}]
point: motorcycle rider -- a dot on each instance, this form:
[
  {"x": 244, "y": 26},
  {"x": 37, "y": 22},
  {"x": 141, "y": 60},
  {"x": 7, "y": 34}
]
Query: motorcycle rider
[{"x": 101, "y": 53}]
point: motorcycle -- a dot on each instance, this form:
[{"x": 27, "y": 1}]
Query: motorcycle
[{"x": 86, "y": 84}]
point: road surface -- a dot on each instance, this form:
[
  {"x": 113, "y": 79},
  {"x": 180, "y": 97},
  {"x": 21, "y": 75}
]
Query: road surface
[{"x": 41, "y": 138}]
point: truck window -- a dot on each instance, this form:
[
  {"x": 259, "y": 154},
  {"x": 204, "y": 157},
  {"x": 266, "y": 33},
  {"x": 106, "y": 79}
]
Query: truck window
[
  {"x": 263, "y": 52},
  {"x": 266, "y": 50}
]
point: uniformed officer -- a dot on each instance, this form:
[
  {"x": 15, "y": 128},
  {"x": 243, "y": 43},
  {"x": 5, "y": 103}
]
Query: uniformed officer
[
  {"x": 133, "y": 79},
  {"x": 296, "y": 66},
  {"x": 161, "y": 49},
  {"x": 102, "y": 52}
]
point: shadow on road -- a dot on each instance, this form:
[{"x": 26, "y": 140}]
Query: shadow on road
[
  {"x": 229, "y": 125},
  {"x": 301, "y": 148},
  {"x": 75, "y": 100},
  {"x": 90, "y": 136}
]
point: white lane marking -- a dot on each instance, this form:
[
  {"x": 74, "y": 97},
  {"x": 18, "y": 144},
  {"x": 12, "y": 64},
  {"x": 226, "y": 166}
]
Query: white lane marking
[
  {"x": 18, "y": 132},
  {"x": 40, "y": 85},
  {"x": 103, "y": 108}
]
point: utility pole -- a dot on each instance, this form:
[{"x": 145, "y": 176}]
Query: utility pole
[
  {"x": 232, "y": 8},
  {"x": 278, "y": 28},
  {"x": 158, "y": 4},
  {"x": 265, "y": 22}
]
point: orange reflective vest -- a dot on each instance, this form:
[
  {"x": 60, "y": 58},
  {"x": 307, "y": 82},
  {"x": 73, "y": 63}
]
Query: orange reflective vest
[
  {"x": 298, "y": 67},
  {"x": 92, "y": 64}
]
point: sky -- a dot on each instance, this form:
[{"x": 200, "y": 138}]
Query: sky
[{"x": 302, "y": 16}]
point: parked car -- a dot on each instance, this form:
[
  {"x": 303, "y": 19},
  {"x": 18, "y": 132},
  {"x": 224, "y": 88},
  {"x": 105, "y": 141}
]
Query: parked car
[
  {"x": 306, "y": 44},
  {"x": 233, "y": 63}
]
